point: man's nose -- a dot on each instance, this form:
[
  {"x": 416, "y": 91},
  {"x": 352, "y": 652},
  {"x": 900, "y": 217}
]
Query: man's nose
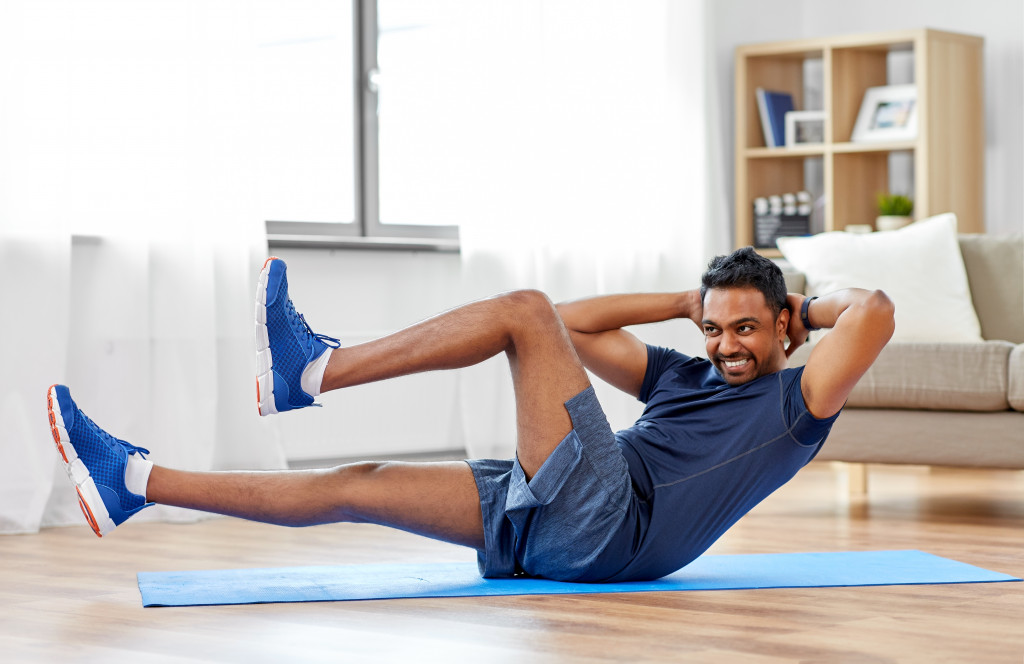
[{"x": 729, "y": 344}]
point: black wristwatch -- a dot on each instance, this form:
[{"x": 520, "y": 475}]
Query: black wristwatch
[{"x": 803, "y": 314}]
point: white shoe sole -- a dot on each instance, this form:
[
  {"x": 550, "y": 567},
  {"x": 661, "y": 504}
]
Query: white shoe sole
[
  {"x": 264, "y": 361},
  {"x": 88, "y": 497}
]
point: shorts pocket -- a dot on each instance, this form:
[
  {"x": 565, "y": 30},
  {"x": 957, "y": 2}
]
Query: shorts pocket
[{"x": 549, "y": 479}]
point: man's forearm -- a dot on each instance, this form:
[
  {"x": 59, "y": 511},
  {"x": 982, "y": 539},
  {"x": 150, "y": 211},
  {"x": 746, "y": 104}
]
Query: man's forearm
[
  {"x": 862, "y": 323},
  {"x": 825, "y": 311},
  {"x": 612, "y": 312}
]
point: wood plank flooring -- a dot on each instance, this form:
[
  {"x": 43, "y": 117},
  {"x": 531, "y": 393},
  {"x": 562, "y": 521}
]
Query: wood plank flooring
[{"x": 67, "y": 596}]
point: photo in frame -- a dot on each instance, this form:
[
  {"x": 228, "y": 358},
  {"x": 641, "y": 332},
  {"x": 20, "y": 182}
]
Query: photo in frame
[
  {"x": 805, "y": 128},
  {"x": 888, "y": 113}
]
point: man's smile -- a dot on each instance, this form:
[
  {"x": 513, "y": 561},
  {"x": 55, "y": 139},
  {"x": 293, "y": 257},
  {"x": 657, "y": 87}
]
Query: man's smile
[{"x": 736, "y": 370}]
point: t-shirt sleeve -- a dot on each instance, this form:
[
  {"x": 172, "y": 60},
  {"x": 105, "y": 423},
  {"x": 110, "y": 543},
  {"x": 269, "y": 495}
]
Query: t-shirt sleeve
[
  {"x": 805, "y": 428},
  {"x": 659, "y": 361}
]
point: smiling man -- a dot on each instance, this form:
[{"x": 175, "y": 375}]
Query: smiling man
[
  {"x": 578, "y": 502},
  {"x": 717, "y": 436}
]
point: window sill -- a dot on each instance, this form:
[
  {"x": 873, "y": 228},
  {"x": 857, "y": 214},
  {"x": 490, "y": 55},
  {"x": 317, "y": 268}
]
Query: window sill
[{"x": 440, "y": 245}]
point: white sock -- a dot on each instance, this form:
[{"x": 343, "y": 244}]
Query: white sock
[
  {"x": 313, "y": 374},
  {"x": 136, "y": 474}
]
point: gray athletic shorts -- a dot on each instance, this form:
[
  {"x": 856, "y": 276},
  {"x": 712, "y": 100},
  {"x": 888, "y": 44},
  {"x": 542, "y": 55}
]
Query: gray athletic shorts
[{"x": 558, "y": 524}]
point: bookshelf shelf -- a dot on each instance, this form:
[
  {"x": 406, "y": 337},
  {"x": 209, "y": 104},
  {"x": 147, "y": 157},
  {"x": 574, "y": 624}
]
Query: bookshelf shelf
[
  {"x": 782, "y": 153},
  {"x": 893, "y": 146},
  {"x": 947, "y": 155}
]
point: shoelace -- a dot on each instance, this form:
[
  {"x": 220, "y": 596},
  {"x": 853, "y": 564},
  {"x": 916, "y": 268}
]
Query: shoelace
[
  {"x": 107, "y": 438},
  {"x": 296, "y": 318}
]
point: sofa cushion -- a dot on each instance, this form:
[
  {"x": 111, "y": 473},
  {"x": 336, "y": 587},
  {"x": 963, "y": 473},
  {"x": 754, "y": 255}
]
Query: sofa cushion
[
  {"x": 1015, "y": 393},
  {"x": 919, "y": 266},
  {"x": 995, "y": 272},
  {"x": 934, "y": 376}
]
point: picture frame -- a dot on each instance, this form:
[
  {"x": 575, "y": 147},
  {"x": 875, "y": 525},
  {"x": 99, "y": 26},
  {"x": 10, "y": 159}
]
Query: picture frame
[
  {"x": 805, "y": 128},
  {"x": 888, "y": 113}
]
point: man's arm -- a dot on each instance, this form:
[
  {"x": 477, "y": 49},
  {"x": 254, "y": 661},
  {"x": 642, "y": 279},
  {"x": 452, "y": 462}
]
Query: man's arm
[
  {"x": 862, "y": 323},
  {"x": 618, "y": 357}
]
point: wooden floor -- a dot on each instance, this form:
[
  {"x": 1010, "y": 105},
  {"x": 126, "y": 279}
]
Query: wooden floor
[{"x": 67, "y": 596}]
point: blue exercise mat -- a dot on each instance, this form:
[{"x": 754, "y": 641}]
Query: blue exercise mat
[{"x": 721, "y": 572}]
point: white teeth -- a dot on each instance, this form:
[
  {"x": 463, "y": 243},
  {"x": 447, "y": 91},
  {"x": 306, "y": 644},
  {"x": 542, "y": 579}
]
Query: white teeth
[{"x": 737, "y": 363}]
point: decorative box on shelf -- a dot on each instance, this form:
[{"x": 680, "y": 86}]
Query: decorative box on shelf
[{"x": 785, "y": 215}]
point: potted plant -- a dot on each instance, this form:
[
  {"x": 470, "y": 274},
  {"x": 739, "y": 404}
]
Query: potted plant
[{"x": 893, "y": 212}]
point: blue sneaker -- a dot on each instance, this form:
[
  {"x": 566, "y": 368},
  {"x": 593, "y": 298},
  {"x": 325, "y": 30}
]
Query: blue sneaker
[
  {"x": 95, "y": 461},
  {"x": 285, "y": 344}
]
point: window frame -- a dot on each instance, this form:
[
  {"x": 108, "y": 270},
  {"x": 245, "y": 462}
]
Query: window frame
[{"x": 366, "y": 230}]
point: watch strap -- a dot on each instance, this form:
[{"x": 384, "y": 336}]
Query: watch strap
[{"x": 803, "y": 314}]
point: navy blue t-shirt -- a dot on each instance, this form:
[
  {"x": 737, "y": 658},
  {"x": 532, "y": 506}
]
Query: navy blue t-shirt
[{"x": 704, "y": 453}]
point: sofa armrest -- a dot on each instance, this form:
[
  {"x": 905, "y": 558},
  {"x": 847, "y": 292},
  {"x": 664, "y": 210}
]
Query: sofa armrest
[{"x": 1015, "y": 391}]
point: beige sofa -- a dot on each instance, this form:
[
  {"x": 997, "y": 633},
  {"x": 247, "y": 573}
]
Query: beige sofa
[{"x": 946, "y": 404}]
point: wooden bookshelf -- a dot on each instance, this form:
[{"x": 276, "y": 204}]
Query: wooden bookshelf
[{"x": 947, "y": 155}]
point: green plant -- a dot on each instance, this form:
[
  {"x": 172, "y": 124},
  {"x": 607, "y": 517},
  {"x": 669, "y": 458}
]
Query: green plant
[{"x": 894, "y": 205}]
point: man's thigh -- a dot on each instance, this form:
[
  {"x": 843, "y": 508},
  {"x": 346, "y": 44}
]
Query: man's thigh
[
  {"x": 559, "y": 523},
  {"x": 546, "y": 373}
]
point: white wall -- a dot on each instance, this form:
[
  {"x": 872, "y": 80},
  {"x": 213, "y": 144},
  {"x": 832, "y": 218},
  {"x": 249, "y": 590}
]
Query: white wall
[{"x": 1000, "y": 22}]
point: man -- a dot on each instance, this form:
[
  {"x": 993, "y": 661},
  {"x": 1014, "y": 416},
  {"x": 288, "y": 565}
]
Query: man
[{"x": 578, "y": 502}]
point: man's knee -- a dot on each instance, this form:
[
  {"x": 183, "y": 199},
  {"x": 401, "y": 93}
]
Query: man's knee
[
  {"x": 352, "y": 487},
  {"x": 354, "y": 474},
  {"x": 529, "y": 298},
  {"x": 531, "y": 307}
]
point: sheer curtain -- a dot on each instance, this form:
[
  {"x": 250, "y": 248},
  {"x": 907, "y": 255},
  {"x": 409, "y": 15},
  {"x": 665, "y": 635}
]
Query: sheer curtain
[
  {"x": 129, "y": 242},
  {"x": 600, "y": 179}
]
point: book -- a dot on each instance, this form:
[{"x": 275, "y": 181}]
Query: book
[{"x": 773, "y": 107}]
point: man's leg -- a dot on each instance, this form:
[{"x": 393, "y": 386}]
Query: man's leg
[
  {"x": 546, "y": 371},
  {"x": 524, "y": 325},
  {"x": 437, "y": 500}
]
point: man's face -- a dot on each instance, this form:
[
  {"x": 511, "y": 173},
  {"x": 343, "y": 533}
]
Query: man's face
[{"x": 744, "y": 340}]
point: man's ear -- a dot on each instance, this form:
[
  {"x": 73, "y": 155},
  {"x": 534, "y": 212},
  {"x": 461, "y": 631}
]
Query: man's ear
[{"x": 782, "y": 324}]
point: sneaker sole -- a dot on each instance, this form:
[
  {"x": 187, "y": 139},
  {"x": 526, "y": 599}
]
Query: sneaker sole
[
  {"x": 264, "y": 360},
  {"x": 88, "y": 497}
]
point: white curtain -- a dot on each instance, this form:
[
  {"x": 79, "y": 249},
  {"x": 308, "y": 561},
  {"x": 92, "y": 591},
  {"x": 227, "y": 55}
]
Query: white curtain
[
  {"x": 600, "y": 177},
  {"x": 129, "y": 242}
]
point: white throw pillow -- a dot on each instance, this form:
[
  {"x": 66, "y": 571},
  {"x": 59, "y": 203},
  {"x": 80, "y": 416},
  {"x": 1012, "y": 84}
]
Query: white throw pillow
[{"x": 918, "y": 266}]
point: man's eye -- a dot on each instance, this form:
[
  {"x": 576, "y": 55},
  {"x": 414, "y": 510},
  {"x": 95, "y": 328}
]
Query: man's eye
[{"x": 710, "y": 331}]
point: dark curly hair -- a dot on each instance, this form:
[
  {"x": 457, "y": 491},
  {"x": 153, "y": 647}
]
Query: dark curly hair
[{"x": 745, "y": 268}]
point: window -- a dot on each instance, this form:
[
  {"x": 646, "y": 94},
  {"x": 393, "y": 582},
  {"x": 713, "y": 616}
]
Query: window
[{"x": 361, "y": 97}]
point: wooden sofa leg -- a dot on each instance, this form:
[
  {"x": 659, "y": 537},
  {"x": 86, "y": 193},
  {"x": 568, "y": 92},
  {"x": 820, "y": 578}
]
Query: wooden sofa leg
[{"x": 857, "y": 473}]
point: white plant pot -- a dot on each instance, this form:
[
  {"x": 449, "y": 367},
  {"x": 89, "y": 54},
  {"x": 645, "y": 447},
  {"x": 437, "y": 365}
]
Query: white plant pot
[{"x": 891, "y": 223}]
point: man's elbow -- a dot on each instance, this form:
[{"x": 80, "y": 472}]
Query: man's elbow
[{"x": 881, "y": 310}]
